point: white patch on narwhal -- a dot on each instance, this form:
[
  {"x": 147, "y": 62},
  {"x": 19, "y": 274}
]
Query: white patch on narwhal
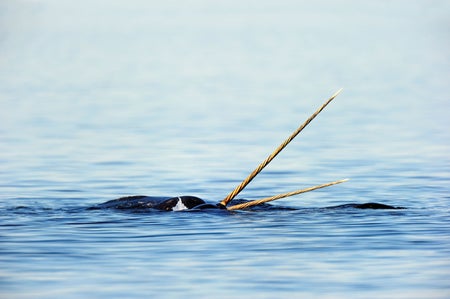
[{"x": 179, "y": 206}]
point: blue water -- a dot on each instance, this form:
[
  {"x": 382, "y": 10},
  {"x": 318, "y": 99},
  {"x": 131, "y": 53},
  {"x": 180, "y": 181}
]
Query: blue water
[{"x": 101, "y": 100}]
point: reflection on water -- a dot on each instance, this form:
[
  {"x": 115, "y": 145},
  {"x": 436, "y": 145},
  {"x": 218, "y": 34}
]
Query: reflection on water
[{"x": 162, "y": 99}]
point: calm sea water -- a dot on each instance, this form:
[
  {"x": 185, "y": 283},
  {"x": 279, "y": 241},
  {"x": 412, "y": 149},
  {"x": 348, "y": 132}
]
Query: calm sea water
[{"x": 100, "y": 100}]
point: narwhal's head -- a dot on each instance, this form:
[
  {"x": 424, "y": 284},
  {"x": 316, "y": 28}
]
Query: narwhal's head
[{"x": 180, "y": 203}]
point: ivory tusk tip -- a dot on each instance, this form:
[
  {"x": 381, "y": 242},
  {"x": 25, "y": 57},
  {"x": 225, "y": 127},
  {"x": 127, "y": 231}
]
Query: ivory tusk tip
[{"x": 337, "y": 93}]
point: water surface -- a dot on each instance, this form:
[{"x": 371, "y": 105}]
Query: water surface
[{"x": 104, "y": 100}]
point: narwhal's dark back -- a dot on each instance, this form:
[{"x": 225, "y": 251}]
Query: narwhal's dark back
[
  {"x": 180, "y": 203},
  {"x": 141, "y": 202}
]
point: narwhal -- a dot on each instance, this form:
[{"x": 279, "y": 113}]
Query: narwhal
[{"x": 180, "y": 203}]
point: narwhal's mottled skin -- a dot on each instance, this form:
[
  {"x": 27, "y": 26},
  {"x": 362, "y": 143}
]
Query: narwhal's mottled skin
[{"x": 140, "y": 202}]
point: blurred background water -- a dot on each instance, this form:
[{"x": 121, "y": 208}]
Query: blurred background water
[{"x": 103, "y": 99}]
